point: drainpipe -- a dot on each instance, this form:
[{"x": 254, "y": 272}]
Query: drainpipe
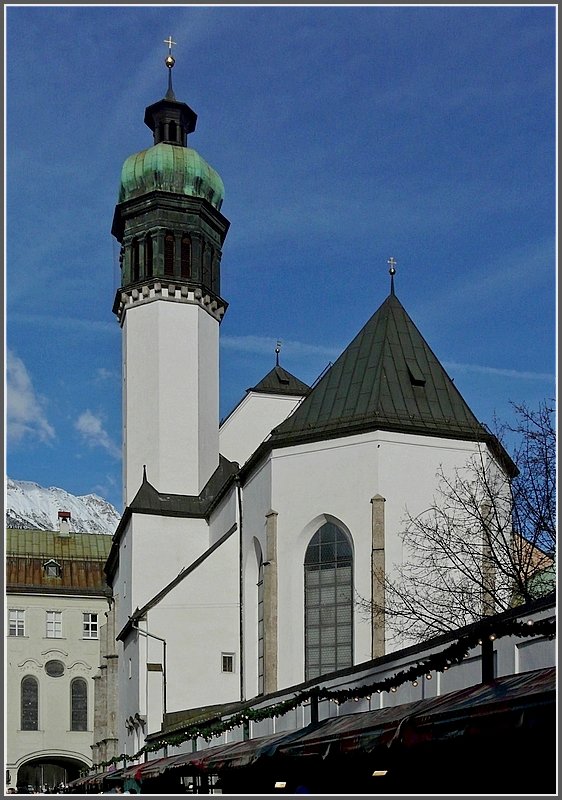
[{"x": 241, "y": 587}]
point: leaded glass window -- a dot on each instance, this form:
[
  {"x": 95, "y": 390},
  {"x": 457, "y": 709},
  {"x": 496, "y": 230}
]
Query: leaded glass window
[
  {"x": 79, "y": 705},
  {"x": 29, "y": 704},
  {"x": 328, "y": 600}
]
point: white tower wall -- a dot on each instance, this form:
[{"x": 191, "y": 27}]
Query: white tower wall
[{"x": 170, "y": 397}]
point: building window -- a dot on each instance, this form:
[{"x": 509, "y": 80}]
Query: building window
[
  {"x": 54, "y": 624},
  {"x": 227, "y": 661},
  {"x": 169, "y": 254},
  {"x": 16, "y": 622},
  {"x": 78, "y": 705},
  {"x": 52, "y": 569},
  {"x": 90, "y": 626},
  {"x": 172, "y": 131},
  {"x": 207, "y": 259},
  {"x": 185, "y": 268},
  {"x": 54, "y": 668},
  {"x": 328, "y": 603},
  {"x": 260, "y": 629},
  {"x": 136, "y": 259},
  {"x": 148, "y": 257},
  {"x": 29, "y": 704}
]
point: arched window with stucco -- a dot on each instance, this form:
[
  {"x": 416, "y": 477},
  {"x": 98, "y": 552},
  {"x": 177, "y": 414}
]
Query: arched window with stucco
[
  {"x": 78, "y": 705},
  {"x": 328, "y": 601},
  {"x": 29, "y": 703}
]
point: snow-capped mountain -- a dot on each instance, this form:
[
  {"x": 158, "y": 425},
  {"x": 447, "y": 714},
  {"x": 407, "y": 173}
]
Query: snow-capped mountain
[{"x": 29, "y": 505}]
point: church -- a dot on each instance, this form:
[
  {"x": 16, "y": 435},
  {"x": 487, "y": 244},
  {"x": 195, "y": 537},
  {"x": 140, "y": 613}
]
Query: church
[{"x": 244, "y": 544}]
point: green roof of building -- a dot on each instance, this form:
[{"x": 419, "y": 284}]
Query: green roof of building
[
  {"x": 387, "y": 378},
  {"x": 50, "y": 544},
  {"x": 170, "y": 168},
  {"x": 279, "y": 381}
]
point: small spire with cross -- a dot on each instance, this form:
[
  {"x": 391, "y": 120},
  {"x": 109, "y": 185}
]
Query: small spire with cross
[
  {"x": 170, "y": 61},
  {"x": 392, "y": 264},
  {"x": 277, "y": 351}
]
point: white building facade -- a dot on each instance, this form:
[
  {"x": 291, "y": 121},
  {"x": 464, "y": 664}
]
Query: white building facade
[{"x": 56, "y": 601}]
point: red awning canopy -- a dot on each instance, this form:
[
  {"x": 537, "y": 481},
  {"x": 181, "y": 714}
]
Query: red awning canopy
[{"x": 467, "y": 710}]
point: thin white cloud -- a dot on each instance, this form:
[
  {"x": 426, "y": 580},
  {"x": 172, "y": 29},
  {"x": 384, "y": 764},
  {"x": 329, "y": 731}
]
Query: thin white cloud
[
  {"x": 66, "y": 323},
  {"x": 103, "y": 374},
  {"x": 265, "y": 344},
  {"x": 503, "y": 373},
  {"x": 90, "y": 427},
  {"x": 25, "y": 413}
]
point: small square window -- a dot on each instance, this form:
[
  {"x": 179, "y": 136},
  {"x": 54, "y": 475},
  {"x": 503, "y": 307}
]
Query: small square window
[
  {"x": 90, "y": 626},
  {"x": 54, "y": 624},
  {"x": 52, "y": 569},
  {"x": 227, "y": 660},
  {"x": 16, "y": 622}
]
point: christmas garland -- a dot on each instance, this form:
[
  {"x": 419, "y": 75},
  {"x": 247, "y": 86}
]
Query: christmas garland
[{"x": 438, "y": 662}]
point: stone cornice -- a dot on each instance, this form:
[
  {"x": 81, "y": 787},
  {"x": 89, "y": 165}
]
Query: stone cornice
[{"x": 173, "y": 291}]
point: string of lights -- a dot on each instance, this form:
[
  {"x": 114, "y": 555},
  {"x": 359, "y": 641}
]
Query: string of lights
[{"x": 437, "y": 662}]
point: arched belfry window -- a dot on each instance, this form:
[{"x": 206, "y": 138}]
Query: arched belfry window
[
  {"x": 148, "y": 256},
  {"x": 78, "y": 705},
  {"x": 328, "y": 602},
  {"x": 185, "y": 257},
  {"x": 169, "y": 254},
  {"x": 172, "y": 131},
  {"x": 29, "y": 704},
  {"x": 207, "y": 258},
  {"x": 135, "y": 257}
]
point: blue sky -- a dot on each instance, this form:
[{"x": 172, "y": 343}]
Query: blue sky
[{"x": 344, "y": 135}]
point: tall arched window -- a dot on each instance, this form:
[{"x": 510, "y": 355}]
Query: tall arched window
[
  {"x": 185, "y": 269},
  {"x": 172, "y": 132},
  {"x": 29, "y": 704},
  {"x": 135, "y": 256},
  {"x": 148, "y": 256},
  {"x": 78, "y": 705},
  {"x": 328, "y": 602},
  {"x": 169, "y": 254}
]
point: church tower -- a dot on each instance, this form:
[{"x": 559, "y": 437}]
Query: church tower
[{"x": 168, "y": 223}]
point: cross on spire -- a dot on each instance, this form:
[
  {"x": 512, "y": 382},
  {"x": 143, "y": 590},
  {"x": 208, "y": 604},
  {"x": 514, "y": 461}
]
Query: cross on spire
[
  {"x": 170, "y": 61},
  {"x": 277, "y": 351},
  {"x": 392, "y": 264}
]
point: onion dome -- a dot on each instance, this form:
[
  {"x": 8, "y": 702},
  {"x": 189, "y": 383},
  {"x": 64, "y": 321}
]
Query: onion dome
[{"x": 170, "y": 168}]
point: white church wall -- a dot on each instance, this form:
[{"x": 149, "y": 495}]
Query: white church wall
[
  {"x": 174, "y": 430},
  {"x": 199, "y": 619},
  {"x": 161, "y": 548},
  {"x": 251, "y": 422},
  {"x": 224, "y": 515},
  {"x": 408, "y": 477}
]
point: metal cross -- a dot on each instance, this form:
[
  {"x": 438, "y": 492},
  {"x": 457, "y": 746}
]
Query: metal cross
[
  {"x": 169, "y": 42},
  {"x": 392, "y": 263}
]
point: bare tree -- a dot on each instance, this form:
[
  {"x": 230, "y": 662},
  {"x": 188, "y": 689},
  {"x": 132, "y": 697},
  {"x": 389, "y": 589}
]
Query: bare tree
[{"x": 482, "y": 545}]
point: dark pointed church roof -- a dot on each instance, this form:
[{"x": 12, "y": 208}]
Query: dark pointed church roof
[
  {"x": 279, "y": 381},
  {"x": 387, "y": 378}
]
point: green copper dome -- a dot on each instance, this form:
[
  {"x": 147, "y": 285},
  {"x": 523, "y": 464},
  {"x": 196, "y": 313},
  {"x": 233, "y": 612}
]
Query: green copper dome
[{"x": 170, "y": 168}]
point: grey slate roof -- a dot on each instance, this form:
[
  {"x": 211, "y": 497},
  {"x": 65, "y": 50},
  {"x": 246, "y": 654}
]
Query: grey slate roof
[
  {"x": 387, "y": 378},
  {"x": 279, "y": 381}
]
